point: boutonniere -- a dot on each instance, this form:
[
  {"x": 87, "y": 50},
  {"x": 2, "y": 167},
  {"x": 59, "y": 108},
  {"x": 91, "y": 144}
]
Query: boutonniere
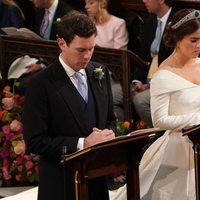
[
  {"x": 58, "y": 20},
  {"x": 98, "y": 74}
]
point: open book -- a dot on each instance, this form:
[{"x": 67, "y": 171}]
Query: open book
[{"x": 21, "y": 32}]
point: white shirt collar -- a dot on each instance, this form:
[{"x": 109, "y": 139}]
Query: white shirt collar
[
  {"x": 52, "y": 8},
  {"x": 70, "y": 72}
]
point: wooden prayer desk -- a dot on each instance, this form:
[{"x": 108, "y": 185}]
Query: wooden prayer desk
[{"x": 120, "y": 154}]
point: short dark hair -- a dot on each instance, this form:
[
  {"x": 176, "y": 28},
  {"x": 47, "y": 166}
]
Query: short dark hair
[
  {"x": 169, "y": 2},
  {"x": 175, "y": 33},
  {"x": 75, "y": 23}
]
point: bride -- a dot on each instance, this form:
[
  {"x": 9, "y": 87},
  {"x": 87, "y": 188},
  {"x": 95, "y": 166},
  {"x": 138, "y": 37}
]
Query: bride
[{"x": 167, "y": 167}]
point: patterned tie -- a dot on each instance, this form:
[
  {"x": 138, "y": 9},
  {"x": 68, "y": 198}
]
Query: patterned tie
[
  {"x": 81, "y": 85},
  {"x": 45, "y": 23},
  {"x": 156, "y": 42}
]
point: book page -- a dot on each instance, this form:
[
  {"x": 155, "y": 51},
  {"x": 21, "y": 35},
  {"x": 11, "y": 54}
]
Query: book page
[
  {"x": 18, "y": 67},
  {"x": 22, "y": 32},
  {"x": 146, "y": 130}
]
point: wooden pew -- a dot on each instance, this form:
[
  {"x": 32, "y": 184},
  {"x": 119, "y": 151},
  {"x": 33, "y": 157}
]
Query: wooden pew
[{"x": 119, "y": 62}]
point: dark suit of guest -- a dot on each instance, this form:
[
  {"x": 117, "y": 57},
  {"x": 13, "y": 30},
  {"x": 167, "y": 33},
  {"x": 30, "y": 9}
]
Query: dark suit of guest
[
  {"x": 59, "y": 118},
  {"x": 141, "y": 100},
  {"x": 148, "y": 34},
  {"x": 28, "y": 9},
  {"x": 62, "y": 9},
  {"x": 10, "y": 16}
]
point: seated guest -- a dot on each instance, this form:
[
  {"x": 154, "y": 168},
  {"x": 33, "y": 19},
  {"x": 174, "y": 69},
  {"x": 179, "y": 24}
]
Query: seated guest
[
  {"x": 10, "y": 14},
  {"x": 48, "y": 13},
  {"x": 153, "y": 51},
  {"x": 111, "y": 33},
  {"x": 29, "y": 12},
  {"x": 47, "y": 16}
]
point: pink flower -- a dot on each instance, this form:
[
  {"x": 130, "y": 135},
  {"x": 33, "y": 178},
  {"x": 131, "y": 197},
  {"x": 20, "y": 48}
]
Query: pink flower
[
  {"x": 36, "y": 168},
  {"x": 8, "y": 103},
  {"x": 9, "y": 136},
  {"x": 4, "y": 154},
  {"x": 29, "y": 173},
  {"x": 15, "y": 125},
  {"x": 19, "y": 159},
  {"x": 19, "y": 101},
  {"x": 6, "y": 129},
  {"x": 29, "y": 165},
  {"x": 6, "y": 174},
  {"x": 20, "y": 168},
  {"x": 5, "y": 163},
  {"x": 20, "y": 147}
]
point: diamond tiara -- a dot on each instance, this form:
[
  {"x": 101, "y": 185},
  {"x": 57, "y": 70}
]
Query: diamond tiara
[{"x": 193, "y": 15}]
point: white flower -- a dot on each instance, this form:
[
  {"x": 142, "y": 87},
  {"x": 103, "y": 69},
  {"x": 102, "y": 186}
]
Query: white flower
[{"x": 98, "y": 74}]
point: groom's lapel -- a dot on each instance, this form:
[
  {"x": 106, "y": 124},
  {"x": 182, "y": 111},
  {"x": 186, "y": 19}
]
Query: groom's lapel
[
  {"x": 69, "y": 94},
  {"x": 98, "y": 90}
]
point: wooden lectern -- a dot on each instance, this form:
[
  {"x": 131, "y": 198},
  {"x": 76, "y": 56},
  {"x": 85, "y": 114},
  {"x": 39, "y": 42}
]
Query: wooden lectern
[
  {"x": 194, "y": 135},
  {"x": 121, "y": 154}
]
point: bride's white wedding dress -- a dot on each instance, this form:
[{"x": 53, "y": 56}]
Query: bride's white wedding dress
[{"x": 167, "y": 166}]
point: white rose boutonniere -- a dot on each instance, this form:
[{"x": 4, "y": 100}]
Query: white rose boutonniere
[
  {"x": 98, "y": 74},
  {"x": 58, "y": 20}
]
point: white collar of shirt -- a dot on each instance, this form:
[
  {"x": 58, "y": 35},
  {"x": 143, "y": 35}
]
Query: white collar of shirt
[
  {"x": 70, "y": 72},
  {"x": 52, "y": 10},
  {"x": 164, "y": 19}
]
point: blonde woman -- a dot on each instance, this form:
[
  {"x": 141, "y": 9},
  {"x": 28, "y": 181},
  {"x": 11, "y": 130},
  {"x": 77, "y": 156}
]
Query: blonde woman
[
  {"x": 10, "y": 14},
  {"x": 112, "y": 32}
]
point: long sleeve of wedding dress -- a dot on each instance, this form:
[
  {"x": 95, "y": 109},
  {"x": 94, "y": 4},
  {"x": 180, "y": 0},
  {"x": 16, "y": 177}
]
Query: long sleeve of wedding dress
[
  {"x": 174, "y": 101},
  {"x": 167, "y": 166}
]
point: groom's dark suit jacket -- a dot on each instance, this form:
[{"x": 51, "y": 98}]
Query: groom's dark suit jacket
[
  {"x": 53, "y": 118},
  {"x": 148, "y": 34},
  {"x": 62, "y": 9}
]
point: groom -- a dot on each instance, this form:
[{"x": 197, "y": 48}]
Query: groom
[{"x": 56, "y": 114}]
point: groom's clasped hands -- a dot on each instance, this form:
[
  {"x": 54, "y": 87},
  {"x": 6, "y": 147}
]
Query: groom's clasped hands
[{"x": 98, "y": 136}]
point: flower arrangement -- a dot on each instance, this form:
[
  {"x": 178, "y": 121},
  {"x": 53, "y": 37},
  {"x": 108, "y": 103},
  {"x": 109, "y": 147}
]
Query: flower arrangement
[
  {"x": 15, "y": 165},
  {"x": 121, "y": 128},
  {"x": 98, "y": 74},
  {"x": 25, "y": 168}
]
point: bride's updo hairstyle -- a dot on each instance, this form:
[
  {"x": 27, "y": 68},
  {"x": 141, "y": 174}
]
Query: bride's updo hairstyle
[{"x": 184, "y": 22}]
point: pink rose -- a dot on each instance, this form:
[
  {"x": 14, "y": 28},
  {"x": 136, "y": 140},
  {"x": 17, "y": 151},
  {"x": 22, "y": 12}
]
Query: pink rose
[
  {"x": 6, "y": 129},
  {"x": 6, "y": 174},
  {"x": 20, "y": 147},
  {"x": 5, "y": 164},
  {"x": 10, "y": 136},
  {"x": 36, "y": 169},
  {"x": 19, "y": 159},
  {"x": 19, "y": 101},
  {"x": 29, "y": 165},
  {"x": 4, "y": 154},
  {"x": 8, "y": 103},
  {"x": 15, "y": 125}
]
